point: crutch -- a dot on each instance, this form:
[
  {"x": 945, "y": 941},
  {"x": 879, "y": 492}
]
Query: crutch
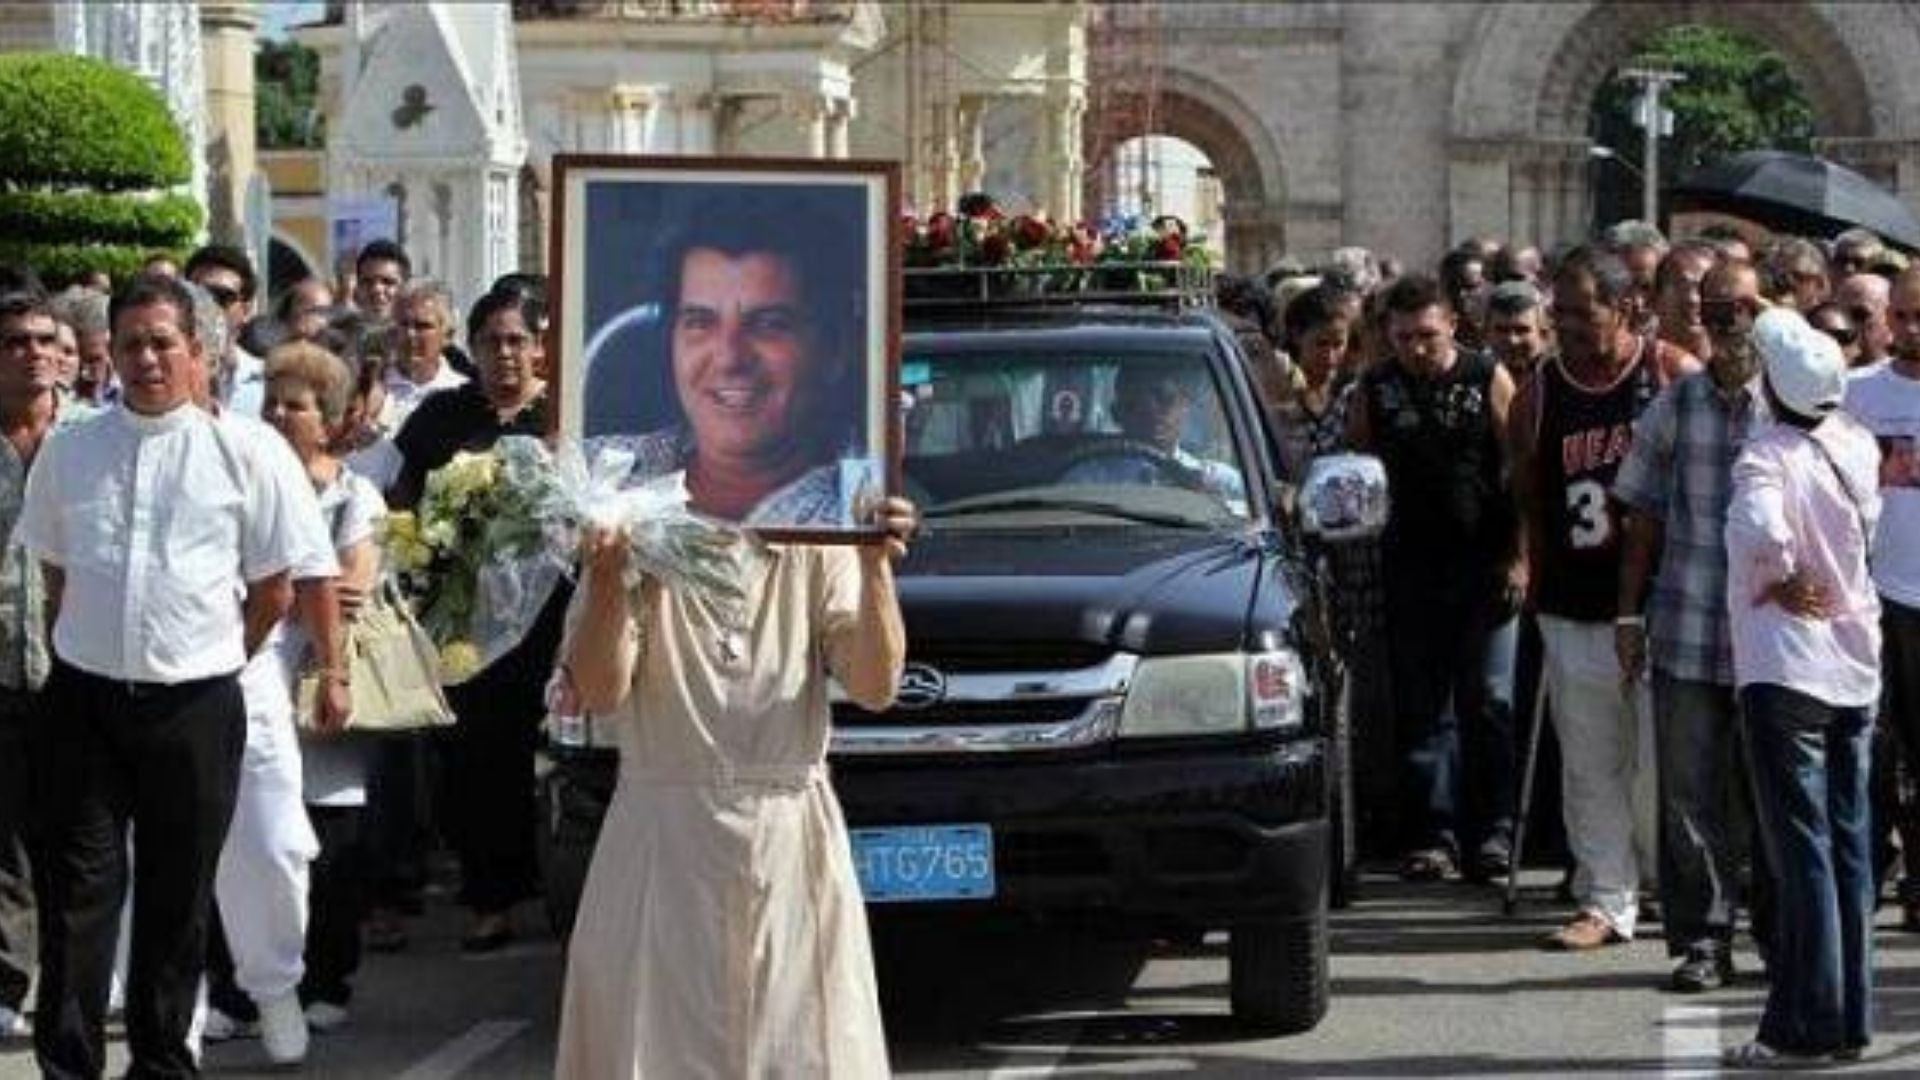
[{"x": 1511, "y": 903}]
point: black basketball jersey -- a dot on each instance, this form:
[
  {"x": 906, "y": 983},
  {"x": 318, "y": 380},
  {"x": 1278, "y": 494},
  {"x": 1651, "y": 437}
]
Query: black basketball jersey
[{"x": 1584, "y": 434}]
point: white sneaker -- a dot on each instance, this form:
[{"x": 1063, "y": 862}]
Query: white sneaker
[
  {"x": 13, "y": 1024},
  {"x": 283, "y": 1029},
  {"x": 220, "y": 1027},
  {"x": 325, "y": 1016}
]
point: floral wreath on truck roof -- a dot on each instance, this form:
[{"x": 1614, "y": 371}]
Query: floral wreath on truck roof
[{"x": 1117, "y": 253}]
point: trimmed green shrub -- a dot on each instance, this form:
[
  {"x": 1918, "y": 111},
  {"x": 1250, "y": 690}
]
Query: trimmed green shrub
[
  {"x": 51, "y": 217},
  {"x": 90, "y": 166},
  {"x": 59, "y": 264},
  {"x": 72, "y": 120}
]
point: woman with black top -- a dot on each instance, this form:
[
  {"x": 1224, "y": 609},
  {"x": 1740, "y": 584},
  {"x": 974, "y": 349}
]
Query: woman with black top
[{"x": 488, "y": 756}]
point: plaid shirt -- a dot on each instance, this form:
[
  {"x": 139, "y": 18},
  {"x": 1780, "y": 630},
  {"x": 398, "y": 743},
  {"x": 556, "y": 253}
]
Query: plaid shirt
[{"x": 1680, "y": 470}]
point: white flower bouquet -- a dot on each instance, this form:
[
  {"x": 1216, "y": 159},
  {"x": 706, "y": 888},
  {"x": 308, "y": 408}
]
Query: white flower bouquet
[{"x": 495, "y": 532}]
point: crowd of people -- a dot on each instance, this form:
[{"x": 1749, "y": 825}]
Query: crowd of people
[
  {"x": 1673, "y": 485},
  {"x": 193, "y": 493}
]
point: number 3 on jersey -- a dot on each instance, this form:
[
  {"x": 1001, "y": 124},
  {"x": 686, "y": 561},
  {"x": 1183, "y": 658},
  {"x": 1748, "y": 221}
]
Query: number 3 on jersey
[{"x": 1592, "y": 525}]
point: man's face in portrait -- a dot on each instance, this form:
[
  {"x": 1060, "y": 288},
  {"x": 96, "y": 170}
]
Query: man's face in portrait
[
  {"x": 745, "y": 355},
  {"x": 155, "y": 356}
]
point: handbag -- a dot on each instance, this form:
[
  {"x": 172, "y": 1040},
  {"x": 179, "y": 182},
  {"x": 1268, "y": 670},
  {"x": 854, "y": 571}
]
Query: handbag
[{"x": 395, "y": 672}]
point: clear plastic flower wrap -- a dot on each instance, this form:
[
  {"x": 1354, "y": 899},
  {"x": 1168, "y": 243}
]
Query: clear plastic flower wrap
[{"x": 495, "y": 532}]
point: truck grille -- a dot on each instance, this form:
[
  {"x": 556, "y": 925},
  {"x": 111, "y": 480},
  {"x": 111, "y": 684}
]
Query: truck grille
[
  {"x": 965, "y": 712},
  {"x": 944, "y": 708}
]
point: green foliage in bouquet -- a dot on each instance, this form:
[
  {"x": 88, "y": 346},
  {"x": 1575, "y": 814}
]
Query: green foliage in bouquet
[{"x": 89, "y": 158}]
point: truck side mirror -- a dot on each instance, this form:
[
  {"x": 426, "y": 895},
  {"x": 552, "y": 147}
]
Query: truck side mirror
[{"x": 1344, "y": 498}]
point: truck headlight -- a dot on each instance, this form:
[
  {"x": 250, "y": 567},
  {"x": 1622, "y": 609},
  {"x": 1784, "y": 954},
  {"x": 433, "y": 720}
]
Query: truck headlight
[{"x": 1214, "y": 694}]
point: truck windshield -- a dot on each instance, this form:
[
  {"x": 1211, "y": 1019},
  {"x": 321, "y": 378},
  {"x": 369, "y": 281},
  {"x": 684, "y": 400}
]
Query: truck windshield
[{"x": 1125, "y": 438}]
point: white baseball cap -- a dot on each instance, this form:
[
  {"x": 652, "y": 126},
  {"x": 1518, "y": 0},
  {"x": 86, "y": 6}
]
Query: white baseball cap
[{"x": 1803, "y": 366}]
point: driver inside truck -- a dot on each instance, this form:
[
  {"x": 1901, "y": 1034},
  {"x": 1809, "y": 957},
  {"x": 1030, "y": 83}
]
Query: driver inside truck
[{"x": 1152, "y": 405}]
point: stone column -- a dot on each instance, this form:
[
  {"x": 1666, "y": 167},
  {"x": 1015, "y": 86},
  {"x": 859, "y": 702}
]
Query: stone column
[
  {"x": 839, "y": 125},
  {"x": 1060, "y": 148},
  {"x": 811, "y": 114},
  {"x": 635, "y": 114},
  {"x": 228, "y": 29},
  {"x": 968, "y": 135}
]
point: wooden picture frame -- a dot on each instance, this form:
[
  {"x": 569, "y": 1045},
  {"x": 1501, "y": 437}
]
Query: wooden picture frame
[{"x": 744, "y": 307}]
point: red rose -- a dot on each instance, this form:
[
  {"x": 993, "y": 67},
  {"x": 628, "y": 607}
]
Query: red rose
[
  {"x": 1030, "y": 232},
  {"x": 996, "y": 249},
  {"x": 1167, "y": 248},
  {"x": 940, "y": 230}
]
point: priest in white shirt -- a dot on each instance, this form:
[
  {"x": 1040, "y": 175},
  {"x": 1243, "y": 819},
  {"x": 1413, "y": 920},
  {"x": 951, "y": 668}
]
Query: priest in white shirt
[
  {"x": 423, "y": 322},
  {"x": 168, "y": 552}
]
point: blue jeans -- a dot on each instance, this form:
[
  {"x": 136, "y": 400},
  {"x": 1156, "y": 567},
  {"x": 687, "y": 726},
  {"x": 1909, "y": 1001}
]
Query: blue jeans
[{"x": 1811, "y": 763}]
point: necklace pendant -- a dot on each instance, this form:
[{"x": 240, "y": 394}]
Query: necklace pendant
[{"x": 732, "y": 646}]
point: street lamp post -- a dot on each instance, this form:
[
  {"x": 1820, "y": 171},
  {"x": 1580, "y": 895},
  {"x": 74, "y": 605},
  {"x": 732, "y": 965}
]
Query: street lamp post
[{"x": 1651, "y": 82}]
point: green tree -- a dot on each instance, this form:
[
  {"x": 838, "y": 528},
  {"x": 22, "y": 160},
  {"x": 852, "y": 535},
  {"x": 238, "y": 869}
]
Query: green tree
[
  {"x": 91, "y": 167},
  {"x": 286, "y": 77},
  {"x": 1738, "y": 95}
]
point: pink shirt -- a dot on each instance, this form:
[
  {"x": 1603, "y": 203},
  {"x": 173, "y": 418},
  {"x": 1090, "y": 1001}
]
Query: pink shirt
[{"x": 1792, "y": 511}]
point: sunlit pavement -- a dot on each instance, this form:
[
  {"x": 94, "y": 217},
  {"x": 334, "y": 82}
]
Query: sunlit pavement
[{"x": 1429, "y": 980}]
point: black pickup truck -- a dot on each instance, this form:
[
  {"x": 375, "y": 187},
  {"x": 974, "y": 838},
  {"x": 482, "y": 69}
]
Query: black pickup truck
[{"x": 1122, "y": 697}]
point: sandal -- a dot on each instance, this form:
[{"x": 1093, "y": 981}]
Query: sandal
[{"x": 1427, "y": 864}]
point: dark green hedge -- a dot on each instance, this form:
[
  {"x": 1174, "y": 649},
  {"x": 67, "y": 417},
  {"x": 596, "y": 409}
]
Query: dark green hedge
[
  {"x": 169, "y": 221},
  {"x": 69, "y": 121},
  {"x": 61, "y": 264}
]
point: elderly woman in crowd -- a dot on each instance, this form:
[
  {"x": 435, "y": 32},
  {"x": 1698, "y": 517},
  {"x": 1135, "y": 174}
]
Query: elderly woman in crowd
[
  {"x": 423, "y": 321},
  {"x": 489, "y": 804},
  {"x": 307, "y": 396}
]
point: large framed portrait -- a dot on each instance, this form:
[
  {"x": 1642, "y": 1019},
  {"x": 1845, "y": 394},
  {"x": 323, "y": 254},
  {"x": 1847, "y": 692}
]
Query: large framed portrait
[{"x": 734, "y": 321}]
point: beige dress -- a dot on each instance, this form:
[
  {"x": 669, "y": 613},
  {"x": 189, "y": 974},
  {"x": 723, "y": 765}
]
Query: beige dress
[{"x": 721, "y": 932}]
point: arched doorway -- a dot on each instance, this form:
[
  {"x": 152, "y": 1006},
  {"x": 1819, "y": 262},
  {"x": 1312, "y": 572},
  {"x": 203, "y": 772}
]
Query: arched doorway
[
  {"x": 1244, "y": 161},
  {"x": 1519, "y": 149},
  {"x": 1159, "y": 174}
]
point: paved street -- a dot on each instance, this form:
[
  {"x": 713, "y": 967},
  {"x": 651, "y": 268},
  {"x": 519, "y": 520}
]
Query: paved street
[{"x": 1428, "y": 981}]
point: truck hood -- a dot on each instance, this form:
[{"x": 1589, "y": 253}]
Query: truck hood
[{"x": 1060, "y": 597}]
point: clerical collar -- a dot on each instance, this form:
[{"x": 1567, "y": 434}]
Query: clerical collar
[{"x": 144, "y": 424}]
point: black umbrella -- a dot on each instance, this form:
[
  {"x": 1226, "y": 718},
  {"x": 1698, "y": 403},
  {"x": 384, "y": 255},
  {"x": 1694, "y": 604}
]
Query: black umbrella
[{"x": 1797, "y": 193}]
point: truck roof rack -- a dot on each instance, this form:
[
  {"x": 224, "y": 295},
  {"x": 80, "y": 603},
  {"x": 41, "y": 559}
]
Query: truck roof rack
[{"x": 1172, "y": 285}]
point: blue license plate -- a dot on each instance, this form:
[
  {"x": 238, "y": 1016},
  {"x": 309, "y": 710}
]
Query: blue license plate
[{"x": 924, "y": 862}]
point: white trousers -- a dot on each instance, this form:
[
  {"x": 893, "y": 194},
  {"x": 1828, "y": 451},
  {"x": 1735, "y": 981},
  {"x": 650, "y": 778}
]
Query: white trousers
[
  {"x": 262, "y": 880},
  {"x": 1609, "y": 794}
]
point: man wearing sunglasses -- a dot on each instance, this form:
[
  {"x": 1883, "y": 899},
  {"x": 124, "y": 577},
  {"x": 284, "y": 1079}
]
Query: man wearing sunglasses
[
  {"x": 1676, "y": 483},
  {"x": 239, "y": 377}
]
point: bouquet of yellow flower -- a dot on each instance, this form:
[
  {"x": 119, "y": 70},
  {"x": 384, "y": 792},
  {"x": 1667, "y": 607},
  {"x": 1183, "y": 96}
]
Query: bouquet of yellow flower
[{"x": 495, "y": 532}]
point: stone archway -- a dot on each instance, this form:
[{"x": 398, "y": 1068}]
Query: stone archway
[
  {"x": 1242, "y": 153},
  {"x": 1519, "y": 148}
]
